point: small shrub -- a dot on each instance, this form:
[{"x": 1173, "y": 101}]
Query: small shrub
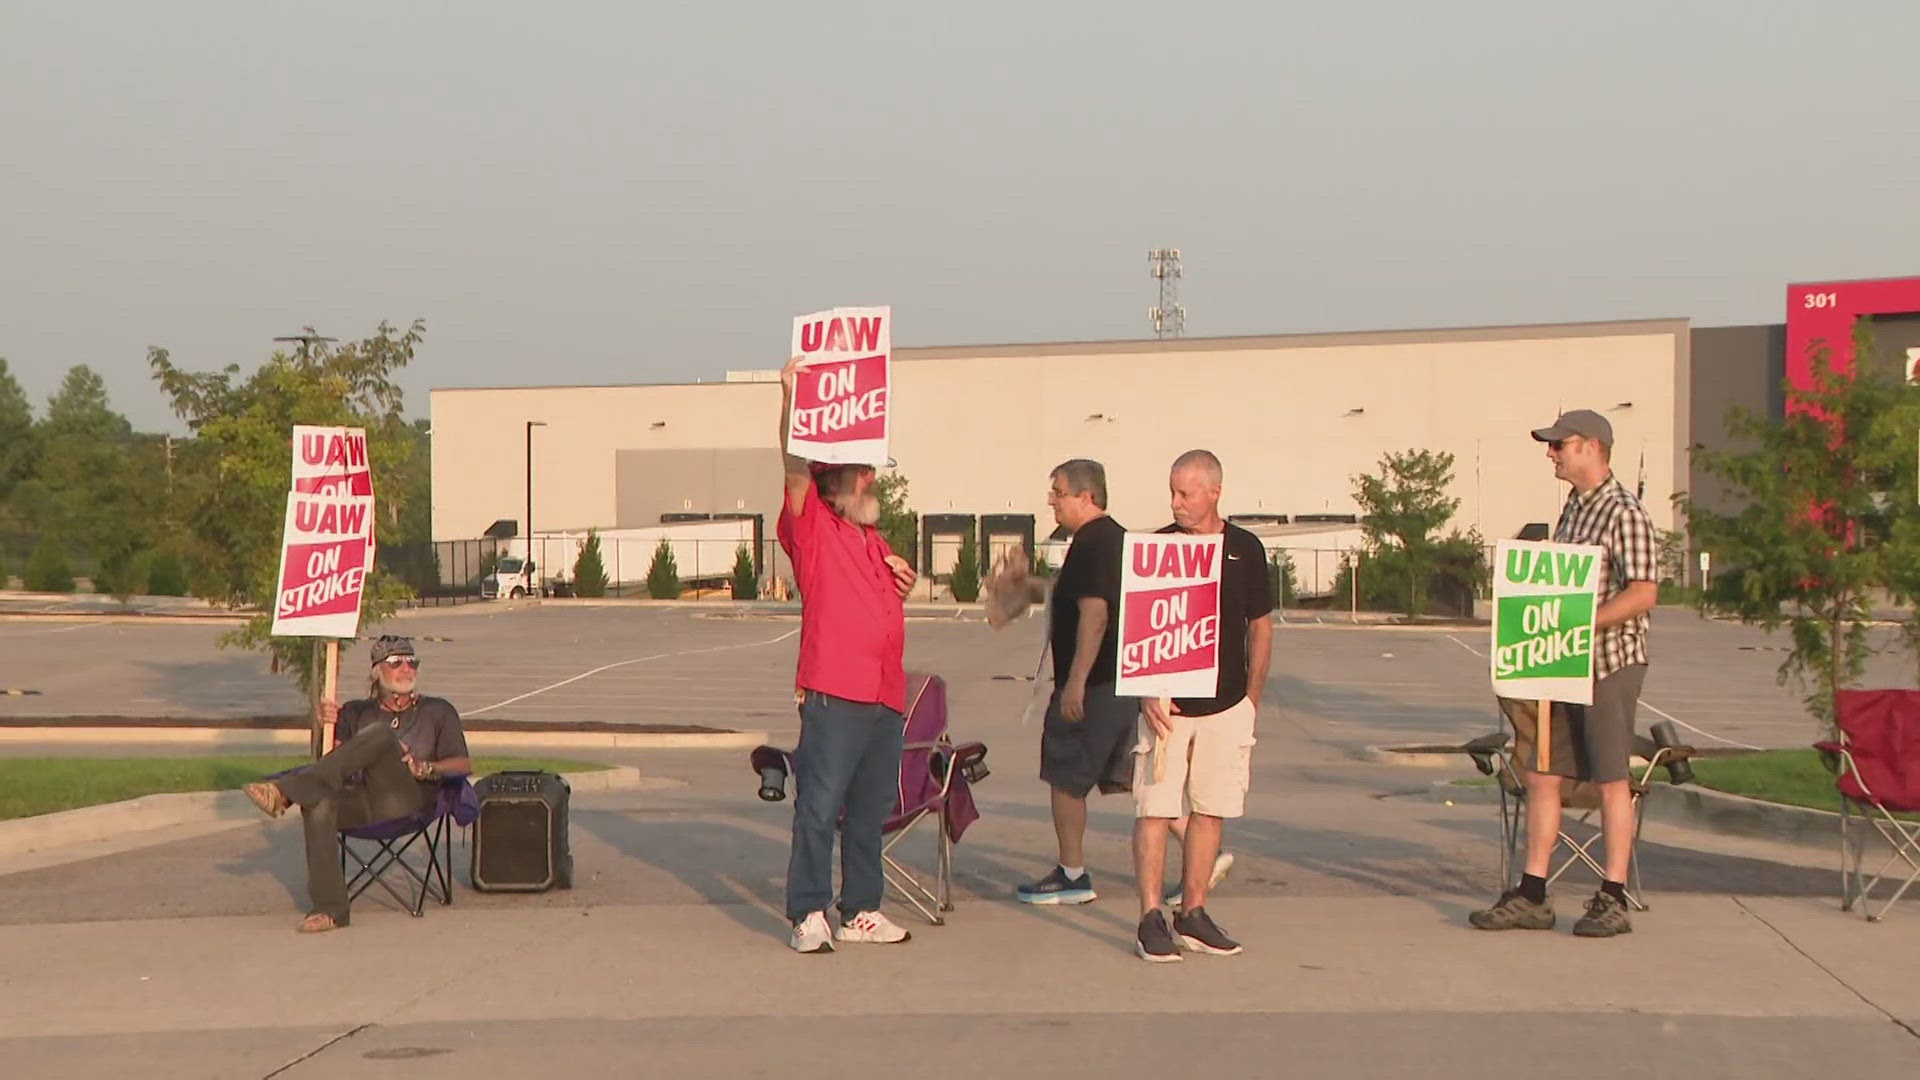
[
  {"x": 746, "y": 584},
  {"x": 1286, "y": 584},
  {"x": 589, "y": 570},
  {"x": 166, "y": 575},
  {"x": 48, "y": 569},
  {"x": 965, "y": 582},
  {"x": 663, "y": 576}
]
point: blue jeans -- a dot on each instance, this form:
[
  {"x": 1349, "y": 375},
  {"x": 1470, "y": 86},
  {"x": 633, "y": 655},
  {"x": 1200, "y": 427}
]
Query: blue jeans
[{"x": 847, "y": 775}]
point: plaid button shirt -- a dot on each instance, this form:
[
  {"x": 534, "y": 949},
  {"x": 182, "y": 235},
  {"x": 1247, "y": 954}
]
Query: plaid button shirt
[{"x": 1614, "y": 519}]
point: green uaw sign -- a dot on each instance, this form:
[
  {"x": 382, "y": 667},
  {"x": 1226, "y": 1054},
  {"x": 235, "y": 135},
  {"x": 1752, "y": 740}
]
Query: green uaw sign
[{"x": 1544, "y": 597}]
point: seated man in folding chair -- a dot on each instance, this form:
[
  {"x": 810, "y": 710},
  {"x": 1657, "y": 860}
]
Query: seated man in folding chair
[
  {"x": 1592, "y": 743},
  {"x": 390, "y": 750}
]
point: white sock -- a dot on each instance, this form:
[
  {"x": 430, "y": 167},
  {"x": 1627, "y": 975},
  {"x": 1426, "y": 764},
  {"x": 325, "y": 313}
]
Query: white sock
[{"x": 1072, "y": 872}]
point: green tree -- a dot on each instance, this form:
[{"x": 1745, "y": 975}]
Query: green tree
[
  {"x": 965, "y": 581},
  {"x": 231, "y": 478},
  {"x": 589, "y": 571},
  {"x": 48, "y": 570},
  {"x": 408, "y": 554},
  {"x": 96, "y": 486},
  {"x": 16, "y": 433},
  {"x": 746, "y": 583},
  {"x": 899, "y": 526},
  {"x": 1824, "y": 518},
  {"x": 1402, "y": 509},
  {"x": 663, "y": 575}
]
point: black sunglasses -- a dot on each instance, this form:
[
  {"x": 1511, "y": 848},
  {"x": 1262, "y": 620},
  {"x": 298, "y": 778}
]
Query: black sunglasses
[{"x": 402, "y": 661}]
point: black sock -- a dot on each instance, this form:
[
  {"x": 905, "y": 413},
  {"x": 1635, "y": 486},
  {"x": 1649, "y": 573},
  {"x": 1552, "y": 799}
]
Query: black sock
[
  {"x": 1534, "y": 888},
  {"x": 1615, "y": 889}
]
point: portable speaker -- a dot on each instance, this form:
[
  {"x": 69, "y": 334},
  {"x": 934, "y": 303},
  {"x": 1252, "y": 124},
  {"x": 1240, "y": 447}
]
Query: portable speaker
[{"x": 520, "y": 838}]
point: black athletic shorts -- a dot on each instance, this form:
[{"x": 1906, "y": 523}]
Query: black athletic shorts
[{"x": 1095, "y": 751}]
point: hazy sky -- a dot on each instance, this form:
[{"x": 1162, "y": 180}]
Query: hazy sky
[{"x": 622, "y": 192}]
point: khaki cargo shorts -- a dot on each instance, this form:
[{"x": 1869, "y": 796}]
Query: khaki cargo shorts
[{"x": 1207, "y": 765}]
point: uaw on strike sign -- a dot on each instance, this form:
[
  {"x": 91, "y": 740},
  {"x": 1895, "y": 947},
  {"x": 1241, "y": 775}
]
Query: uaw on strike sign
[
  {"x": 840, "y": 394},
  {"x": 1544, "y": 598},
  {"x": 326, "y": 548},
  {"x": 331, "y": 461},
  {"x": 1170, "y": 616},
  {"x": 324, "y": 557}
]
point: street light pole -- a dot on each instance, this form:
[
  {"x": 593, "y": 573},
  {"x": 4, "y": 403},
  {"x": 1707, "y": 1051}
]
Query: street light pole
[{"x": 532, "y": 574}]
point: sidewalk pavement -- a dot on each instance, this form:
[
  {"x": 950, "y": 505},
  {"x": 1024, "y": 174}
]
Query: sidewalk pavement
[
  {"x": 177, "y": 958},
  {"x": 670, "y": 957},
  {"x": 1714, "y": 986}
]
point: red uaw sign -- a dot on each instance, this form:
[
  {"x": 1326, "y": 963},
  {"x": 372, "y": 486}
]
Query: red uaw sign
[
  {"x": 1170, "y": 616},
  {"x": 840, "y": 396},
  {"x": 324, "y": 556},
  {"x": 331, "y": 461}
]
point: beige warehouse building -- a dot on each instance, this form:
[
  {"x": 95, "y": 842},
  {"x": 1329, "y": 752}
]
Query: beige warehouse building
[{"x": 976, "y": 429}]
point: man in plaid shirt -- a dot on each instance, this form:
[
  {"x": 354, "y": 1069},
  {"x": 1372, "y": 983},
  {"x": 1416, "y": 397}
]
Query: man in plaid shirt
[{"x": 1592, "y": 742}]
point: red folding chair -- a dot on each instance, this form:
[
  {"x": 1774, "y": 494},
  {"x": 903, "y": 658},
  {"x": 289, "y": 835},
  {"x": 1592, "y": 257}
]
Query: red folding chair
[{"x": 1878, "y": 754}]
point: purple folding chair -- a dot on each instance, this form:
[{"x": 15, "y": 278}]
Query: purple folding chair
[
  {"x": 936, "y": 781},
  {"x": 454, "y": 804}
]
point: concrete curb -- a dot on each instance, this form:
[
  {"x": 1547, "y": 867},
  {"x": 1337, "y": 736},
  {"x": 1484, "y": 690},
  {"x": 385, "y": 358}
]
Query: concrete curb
[
  {"x": 1695, "y": 807},
  {"x": 1386, "y": 755},
  {"x": 209, "y": 619},
  {"x": 232, "y": 808},
  {"x": 280, "y": 738},
  {"x": 1737, "y": 815}
]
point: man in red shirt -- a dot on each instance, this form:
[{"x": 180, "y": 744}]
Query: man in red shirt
[{"x": 852, "y": 689}]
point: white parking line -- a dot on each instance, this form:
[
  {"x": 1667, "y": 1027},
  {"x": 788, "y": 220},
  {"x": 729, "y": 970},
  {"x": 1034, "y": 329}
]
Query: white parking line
[
  {"x": 1648, "y": 705},
  {"x": 635, "y": 660},
  {"x": 54, "y": 630}
]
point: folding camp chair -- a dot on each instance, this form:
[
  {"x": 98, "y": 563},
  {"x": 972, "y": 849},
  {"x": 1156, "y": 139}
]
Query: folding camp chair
[
  {"x": 936, "y": 779},
  {"x": 1878, "y": 759},
  {"x": 454, "y": 804},
  {"x": 1498, "y": 755}
]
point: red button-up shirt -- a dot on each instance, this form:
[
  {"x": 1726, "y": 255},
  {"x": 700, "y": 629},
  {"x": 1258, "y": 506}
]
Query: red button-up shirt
[{"x": 853, "y": 628}]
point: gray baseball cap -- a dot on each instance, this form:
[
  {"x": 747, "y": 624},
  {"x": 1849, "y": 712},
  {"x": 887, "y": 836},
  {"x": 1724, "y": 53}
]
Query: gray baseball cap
[{"x": 1584, "y": 422}]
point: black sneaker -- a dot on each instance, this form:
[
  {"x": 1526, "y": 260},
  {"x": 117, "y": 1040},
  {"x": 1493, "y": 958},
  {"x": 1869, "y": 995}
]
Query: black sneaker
[
  {"x": 1057, "y": 888},
  {"x": 1197, "y": 931},
  {"x": 1154, "y": 942},
  {"x": 1606, "y": 917},
  {"x": 1514, "y": 912}
]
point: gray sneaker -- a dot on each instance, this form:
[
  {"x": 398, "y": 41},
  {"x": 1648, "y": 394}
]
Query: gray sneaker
[
  {"x": 1153, "y": 941},
  {"x": 1606, "y": 917},
  {"x": 1199, "y": 933},
  {"x": 1514, "y": 912}
]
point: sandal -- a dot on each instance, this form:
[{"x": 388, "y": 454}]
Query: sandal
[
  {"x": 268, "y": 797},
  {"x": 318, "y": 922}
]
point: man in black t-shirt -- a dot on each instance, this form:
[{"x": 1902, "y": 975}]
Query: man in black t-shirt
[
  {"x": 390, "y": 750},
  {"x": 1088, "y": 731},
  {"x": 1208, "y": 741}
]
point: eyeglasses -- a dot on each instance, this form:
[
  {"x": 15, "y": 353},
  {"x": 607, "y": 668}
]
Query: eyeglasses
[{"x": 402, "y": 661}]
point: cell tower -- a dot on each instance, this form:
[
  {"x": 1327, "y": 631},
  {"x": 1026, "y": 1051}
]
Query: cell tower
[{"x": 1169, "y": 318}]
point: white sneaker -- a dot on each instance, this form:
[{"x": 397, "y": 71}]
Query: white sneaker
[
  {"x": 812, "y": 934},
  {"x": 1222, "y": 865},
  {"x": 872, "y": 927}
]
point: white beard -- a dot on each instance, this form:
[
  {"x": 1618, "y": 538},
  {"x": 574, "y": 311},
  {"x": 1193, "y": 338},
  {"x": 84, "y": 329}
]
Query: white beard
[{"x": 859, "y": 509}]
